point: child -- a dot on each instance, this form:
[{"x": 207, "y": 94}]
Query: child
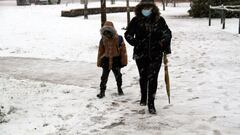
[{"x": 112, "y": 55}]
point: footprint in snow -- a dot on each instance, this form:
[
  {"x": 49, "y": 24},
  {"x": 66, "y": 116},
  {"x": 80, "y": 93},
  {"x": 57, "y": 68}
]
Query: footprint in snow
[
  {"x": 194, "y": 98},
  {"x": 203, "y": 127},
  {"x": 142, "y": 111},
  {"x": 212, "y": 64},
  {"x": 201, "y": 83},
  {"x": 91, "y": 106},
  {"x": 200, "y": 72},
  {"x": 216, "y": 102},
  {"x": 94, "y": 131},
  {"x": 220, "y": 87},
  {"x": 114, "y": 124},
  {"x": 94, "y": 87},
  {"x": 98, "y": 119},
  {"x": 226, "y": 108},
  {"x": 213, "y": 118},
  {"x": 167, "y": 106},
  {"x": 114, "y": 94},
  {"x": 189, "y": 90},
  {"x": 124, "y": 101},
  {"x": 115, "y": 104},
  {"x": 66, "y": 117},
  {"x": 216, "y": 132}
]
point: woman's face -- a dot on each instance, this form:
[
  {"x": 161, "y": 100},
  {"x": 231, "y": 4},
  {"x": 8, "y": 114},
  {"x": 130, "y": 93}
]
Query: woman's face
[{"x": 147, "y": 11}]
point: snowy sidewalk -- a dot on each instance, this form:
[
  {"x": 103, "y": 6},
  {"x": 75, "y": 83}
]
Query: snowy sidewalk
[
  {"x": 35, "y": 100},
  {"x": 54, "y": 71}
]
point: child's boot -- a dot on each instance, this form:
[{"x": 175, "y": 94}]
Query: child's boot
[
  {"x": 101, "y": 94},
  {"x": 102, "y": 90}
]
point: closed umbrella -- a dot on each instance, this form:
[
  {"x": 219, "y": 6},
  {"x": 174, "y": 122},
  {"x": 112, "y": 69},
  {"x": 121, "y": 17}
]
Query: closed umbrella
[{"x": 166, "y": 76}]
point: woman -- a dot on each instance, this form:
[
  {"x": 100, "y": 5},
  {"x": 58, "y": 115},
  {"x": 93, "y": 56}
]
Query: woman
[{"x": 151, "y": 37}]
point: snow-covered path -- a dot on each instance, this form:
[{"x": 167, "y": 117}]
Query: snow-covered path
[
  {"x": 52, "y": 97},
  {"x": 205, "y": 92},
  {"x": 54, "y": 71}
]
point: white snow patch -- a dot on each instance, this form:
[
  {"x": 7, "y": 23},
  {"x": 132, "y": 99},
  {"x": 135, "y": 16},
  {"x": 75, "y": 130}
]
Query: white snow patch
[{"x": 204, "y": 72}]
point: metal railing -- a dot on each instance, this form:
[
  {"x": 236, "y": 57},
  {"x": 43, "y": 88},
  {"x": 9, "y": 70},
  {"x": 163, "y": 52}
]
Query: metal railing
[{"x": 224, "y": 10}]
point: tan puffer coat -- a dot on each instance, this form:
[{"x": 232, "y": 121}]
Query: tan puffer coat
[{"x": 110, "y": 47}]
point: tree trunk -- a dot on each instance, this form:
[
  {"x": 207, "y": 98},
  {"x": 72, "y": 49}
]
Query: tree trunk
[
  {"x": 174, "y": 3},
  {"x": 128, "y": 12},
  {"x": 163, "y": 3},
  {"x": 112, "y": 1},
  {"x": 103, "y": 12},
  {"x": 85, "y": 9}
]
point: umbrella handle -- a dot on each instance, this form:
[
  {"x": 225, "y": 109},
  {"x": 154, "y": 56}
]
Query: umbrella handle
[{"x": 165, "y": 59}]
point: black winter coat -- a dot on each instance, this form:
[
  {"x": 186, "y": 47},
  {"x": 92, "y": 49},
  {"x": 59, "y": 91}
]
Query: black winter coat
[{"x": 145, "y": 34}]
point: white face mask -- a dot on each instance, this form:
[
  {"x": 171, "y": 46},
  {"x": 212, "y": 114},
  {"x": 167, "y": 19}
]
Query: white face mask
[{"x": 146, "y": 12}]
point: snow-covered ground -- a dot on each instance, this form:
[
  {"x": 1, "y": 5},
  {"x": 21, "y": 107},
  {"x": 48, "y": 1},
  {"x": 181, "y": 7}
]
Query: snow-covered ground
[{"x": 40, "y": 93}]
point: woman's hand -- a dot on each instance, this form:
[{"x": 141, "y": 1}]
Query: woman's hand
[{"x": 162, "y": 43}]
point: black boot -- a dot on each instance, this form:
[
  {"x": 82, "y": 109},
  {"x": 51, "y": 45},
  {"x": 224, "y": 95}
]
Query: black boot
[
  {"x": 143, "y": 101},
  {"x": 101, "y": 94},
  {"x": 151, "y": 108},
  {"x": 120, "y": 92}
]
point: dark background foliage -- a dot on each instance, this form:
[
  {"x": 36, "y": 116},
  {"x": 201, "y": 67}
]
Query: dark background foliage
[{"x": 200, "y": 8}]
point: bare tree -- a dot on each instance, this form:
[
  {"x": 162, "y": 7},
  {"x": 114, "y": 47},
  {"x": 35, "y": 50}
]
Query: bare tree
[
  {"x": 113, "y": 1},
  {"x": 174, "y": 3},
  {"x": 163, "y": 3},
  {"x": 128, "y": 12},
  {"x": 171, "y": 1},
  {"x": 103, "y": 12},
  {"x": 59, "y": 2},
  {"x": 85, "y": 9}
]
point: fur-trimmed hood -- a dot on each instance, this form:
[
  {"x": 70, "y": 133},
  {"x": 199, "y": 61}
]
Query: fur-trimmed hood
[
  {"x": 142, "y": 5},
  {"x": 108, "y": 26}
]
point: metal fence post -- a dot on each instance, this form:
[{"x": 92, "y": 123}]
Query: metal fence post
[
  {"x": 239, "y": 24},
  {"x": 209, "y": 6},
  {"x": 210, "y": 16},
  {"x": 85, "y": 9},
  {"x": 222, "y": 12},
  {"x": 224, "y": 19}
]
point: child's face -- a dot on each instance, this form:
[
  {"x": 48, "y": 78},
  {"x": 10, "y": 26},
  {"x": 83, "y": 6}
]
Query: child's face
[{"x": 108, "y": 34}]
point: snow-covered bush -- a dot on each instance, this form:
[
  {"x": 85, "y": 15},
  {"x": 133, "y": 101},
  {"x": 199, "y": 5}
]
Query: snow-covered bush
[{"x": 200, "y": 8}]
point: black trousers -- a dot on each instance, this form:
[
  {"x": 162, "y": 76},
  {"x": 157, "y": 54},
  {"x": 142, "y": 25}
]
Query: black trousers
[
  {"x": 148, "y": 71},
  {"x": 105, "y": 74}
]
